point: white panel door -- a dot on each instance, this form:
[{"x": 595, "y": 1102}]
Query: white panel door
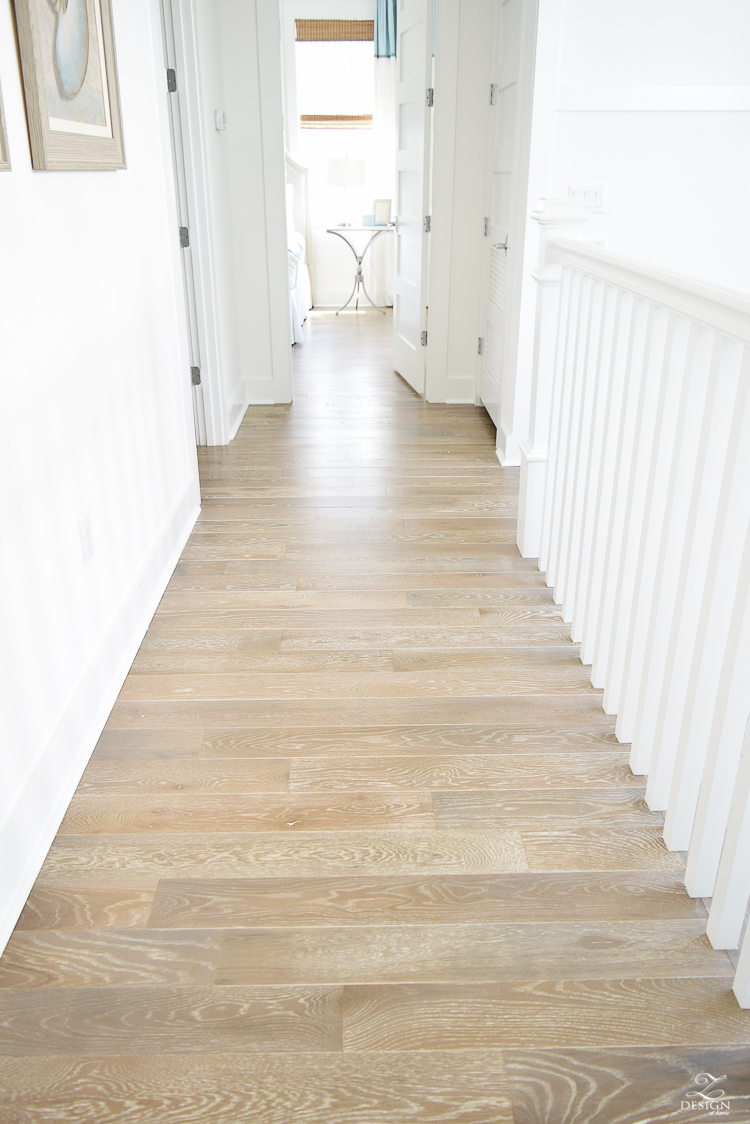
[
  {"x": 414, "y": 66},
  {"x": 506, "y": 51}
]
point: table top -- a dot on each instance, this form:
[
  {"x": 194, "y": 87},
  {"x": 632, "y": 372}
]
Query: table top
[{"x": 358, "y": 229}]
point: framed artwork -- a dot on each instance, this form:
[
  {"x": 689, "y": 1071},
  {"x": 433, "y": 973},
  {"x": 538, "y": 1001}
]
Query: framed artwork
[
  {"x": 4, "y": 157},
  {"x": 70, "y": 84}
]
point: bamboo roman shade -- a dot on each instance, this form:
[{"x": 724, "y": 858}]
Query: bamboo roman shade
[
  {"x": 334, "y": 31},
  {"x": 335, "y": 121}
]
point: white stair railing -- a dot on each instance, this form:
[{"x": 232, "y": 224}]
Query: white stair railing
[{"x": 635, "y": 497}]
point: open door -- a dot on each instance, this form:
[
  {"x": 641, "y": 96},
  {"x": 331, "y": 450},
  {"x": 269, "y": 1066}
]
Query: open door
[{"x": 414, "y": 98}]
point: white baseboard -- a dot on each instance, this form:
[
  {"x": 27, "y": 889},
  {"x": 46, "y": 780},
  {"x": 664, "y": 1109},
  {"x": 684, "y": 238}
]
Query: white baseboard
[
  {"x": 260, "y": 392},
  {"x": 235, "y": 419},
  {"x": 28, "y": 833},
  {"x": 508, "y": 452}
]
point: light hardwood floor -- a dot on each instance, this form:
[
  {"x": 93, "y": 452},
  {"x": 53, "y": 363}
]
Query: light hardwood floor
[{"x": 358, "y": 844}]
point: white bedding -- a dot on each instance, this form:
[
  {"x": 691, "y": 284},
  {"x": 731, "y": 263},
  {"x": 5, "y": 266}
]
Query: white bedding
[
  {"x": 300, "y": 288},
  {"x": 300, "y": 292}
]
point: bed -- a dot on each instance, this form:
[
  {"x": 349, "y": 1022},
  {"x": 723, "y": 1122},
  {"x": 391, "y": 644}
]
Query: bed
[{"x": 299, "y": 245}]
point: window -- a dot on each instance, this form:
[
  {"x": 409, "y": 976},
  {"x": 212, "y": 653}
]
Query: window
[{"x": 335, "y": 74}]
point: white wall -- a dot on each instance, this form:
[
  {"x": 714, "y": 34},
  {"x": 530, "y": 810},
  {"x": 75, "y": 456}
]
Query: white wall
[
  {"x": 651, "y": 101},
  {"x": 98, "y": 424}
]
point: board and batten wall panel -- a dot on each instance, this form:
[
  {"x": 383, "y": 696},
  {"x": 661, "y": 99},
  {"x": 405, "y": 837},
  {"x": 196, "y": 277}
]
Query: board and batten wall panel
[
  {"x": 98, "y": 425},
  {"x": 653, "y": 103}
]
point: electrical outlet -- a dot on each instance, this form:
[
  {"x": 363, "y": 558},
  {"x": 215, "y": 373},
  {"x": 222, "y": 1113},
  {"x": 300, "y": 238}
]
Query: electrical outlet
[{"x": 87, "y": 540}]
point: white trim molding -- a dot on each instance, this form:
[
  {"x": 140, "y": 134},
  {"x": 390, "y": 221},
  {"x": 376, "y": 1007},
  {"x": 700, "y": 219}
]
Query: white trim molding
[{"x": 596, "y": 98}]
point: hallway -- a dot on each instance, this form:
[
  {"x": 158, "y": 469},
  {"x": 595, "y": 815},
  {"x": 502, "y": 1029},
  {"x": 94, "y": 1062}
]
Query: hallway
[{"x": 358, "y": 844}]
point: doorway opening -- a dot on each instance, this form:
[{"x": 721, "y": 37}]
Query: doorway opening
[{"x": 339, "y": 105}]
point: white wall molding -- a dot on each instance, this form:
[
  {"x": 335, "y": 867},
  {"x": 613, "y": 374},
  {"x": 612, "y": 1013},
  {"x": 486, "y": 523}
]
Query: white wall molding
[
  {"x": 237, "y": 413},
  {"x": 28, "y": 833},
  {"x": 597, "y": 98},
  {"x": 260, "y": 392}
]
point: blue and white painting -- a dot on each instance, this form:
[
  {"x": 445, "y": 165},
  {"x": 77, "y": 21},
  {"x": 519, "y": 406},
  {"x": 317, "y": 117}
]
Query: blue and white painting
[{"x": 75, "y": 81}]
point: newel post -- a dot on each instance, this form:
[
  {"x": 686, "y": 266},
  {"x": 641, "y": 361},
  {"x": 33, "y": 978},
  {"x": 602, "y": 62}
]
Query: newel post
[{"x": 558, "y": 218}]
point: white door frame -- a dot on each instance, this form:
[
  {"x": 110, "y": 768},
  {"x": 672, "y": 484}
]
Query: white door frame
[
  {"x": 179, "y": 17},
  {"x": 261, "y": 385},
  {"x": 183, "y": 219},
  {"x": 409, "y": 346},
  {"x": 462, "y": 68},
  {"x": 515, "y": 385}
]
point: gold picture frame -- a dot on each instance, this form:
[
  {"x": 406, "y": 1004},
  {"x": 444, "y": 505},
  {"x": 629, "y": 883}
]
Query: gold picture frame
[
  {"x": 70, "y": 84},
  {"x": 4, "y": 156}
]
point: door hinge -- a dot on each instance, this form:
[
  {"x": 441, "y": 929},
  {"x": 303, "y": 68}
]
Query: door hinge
[
  {"x": 424, "y": 339},
  {"x": 493, "y": 94},
  {"x": 427, "y": 224},
  {"x": 430, "y": 97},
  {"x": 184, "y": 237},
  {"x": 195, "y": 376},
  {"x": 486, "y": 227},
  {"x": 480, "y": 346},
  {"x": 172, "y": 81}
]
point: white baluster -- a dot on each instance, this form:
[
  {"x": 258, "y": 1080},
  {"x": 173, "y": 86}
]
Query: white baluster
[
  {"x": 721, "y": 607},
  {"x": 597, "y": 573},
  {"x": 641, "y": 455},
  {"x": 657, "y": 488},
  {"x": 602, "y": 371},
  {"x": 568, "y": 459},
  {"x": 729, "y": 903},
  {"x": 565, "y": 376},
  {"x": 626, "y": 438},
  {"x": 693, "y": 571},
  {"x": 555, "y": 406},
  {"x": 671, "y": 548},
  {"x": 584, "y": 445},
  {"x": 741, "y": 986},
  {"x": 719, "y": 774}
]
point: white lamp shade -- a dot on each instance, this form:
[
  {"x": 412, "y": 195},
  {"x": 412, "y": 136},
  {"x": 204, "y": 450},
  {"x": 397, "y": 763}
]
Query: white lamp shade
[{"x": 346, "y": 173}]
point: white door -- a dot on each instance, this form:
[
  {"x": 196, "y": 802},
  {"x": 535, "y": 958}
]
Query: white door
[
  {"x": 500, "y": 197},
  {"x": 183, "y": 220},
  {"x": 414, "y": 68}
]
